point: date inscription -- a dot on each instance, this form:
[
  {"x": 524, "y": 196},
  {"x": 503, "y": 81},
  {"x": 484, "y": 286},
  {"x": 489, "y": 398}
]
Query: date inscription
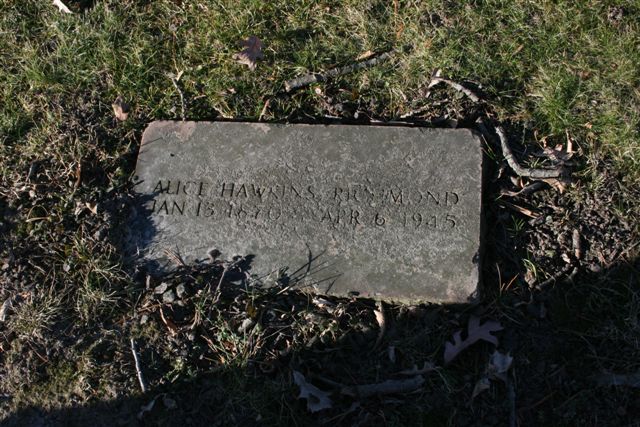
[{"x": 355, "y": 205}]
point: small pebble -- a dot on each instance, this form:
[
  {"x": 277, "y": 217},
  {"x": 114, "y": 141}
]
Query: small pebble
[
  {"x": 168, "y": 297},
  {"x": 181, "y": 290},
  {"x": 161, "y": 288},
  {"x": 169, "y": 403},
  {"x": 246, "y": 324}
]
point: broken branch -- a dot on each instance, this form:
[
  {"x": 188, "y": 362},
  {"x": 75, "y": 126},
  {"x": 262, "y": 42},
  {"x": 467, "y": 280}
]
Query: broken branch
[
  {"x": 519, "y": 170},
  {"x": 386, "y": 387},
  {"x": 136, "y": 359},
  {"x": 311, "y": 78},
  {"x": 183, "y": 104},
  {"x": 468, "y": 92}
]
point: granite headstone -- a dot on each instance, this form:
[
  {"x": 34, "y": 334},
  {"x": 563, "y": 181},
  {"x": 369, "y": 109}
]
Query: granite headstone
[{"x": 376, "y": 211}]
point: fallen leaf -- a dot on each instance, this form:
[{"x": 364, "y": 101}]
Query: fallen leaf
[
  {"x": 559, "y": 184},
  {"x": 380, "y": 318},
  {"x": 120, "y": 109},
  {"x": 391, "y": 353},
  {"x": 435, "y": 78},
  {"x": 629, "y": 380},
  {"x": 172, "y": 327},
  {"x": 63, "y": 8},
  {"x": 317, "y": 399},
  {"x": 475, "y": 333},
  {"x": 169, "y": 403},
  {"x": 558, "y": 155},
  {"x": 7, "y": 305},
  {"x": 499, "y": 364},
  {"x": 147, "y": 408},
  {"x": 426, "y": 367},
  {"x": 497, "y": 368},
  {"x": 92, "y": 207},
  {"x": 365, "y": 55},
  {"x": 251, "y": 53},
  {"x": 482, "y": 385}
]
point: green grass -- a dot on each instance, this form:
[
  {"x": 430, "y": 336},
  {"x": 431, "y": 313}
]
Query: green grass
[
  {"x": 561, "y": 70},
  {"x": 562, "y": 66}
]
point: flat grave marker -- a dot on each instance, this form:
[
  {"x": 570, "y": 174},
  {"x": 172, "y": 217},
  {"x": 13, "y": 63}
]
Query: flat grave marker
[{"x": 375, "y": 211}]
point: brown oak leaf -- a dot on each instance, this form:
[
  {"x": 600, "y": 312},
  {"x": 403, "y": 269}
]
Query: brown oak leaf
[
  {"x": 120, "y": 109},
  {"x": 317, "y": 399},
  {"x": 475, "y": 333},
  {"x": 251, "y": 53}
]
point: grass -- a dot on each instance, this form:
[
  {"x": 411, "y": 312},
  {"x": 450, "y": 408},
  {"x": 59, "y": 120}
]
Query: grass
[{"x": 553, "y": 71}]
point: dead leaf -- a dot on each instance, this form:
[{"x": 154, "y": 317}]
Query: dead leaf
[
  {"x": 475, "y": 332},
  {"x": 147, "y": 408},
  {"x": 629, "y": 380},
  {"x": 92, "y": 207},
  {"x": 426, "y": 367},
  {"x": 120, "y": 109},
  {"x": 499, "y": 364},
  {"x": 559, "y": 184},
  {"x": 497, "y": 368},
  {"x": 380, "y": 318},
  {"x": 365, "y": 55},
  {"x": 317, "y": 399},
  {"x": 482, "y": 385},
  {"x": 558, "y": 155},
  {"x": 63, "y": 8},
  {"x": 251, "y": 53},
  {"x": 7, "y": 305},
  {"x": 172, "y": 327}
]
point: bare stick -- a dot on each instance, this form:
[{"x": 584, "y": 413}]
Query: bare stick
[
  {"x": 183, "y": 104},
  {"x": 227, "y": 267},
  {"x": 513, "y": 163},
  {"x": 63, "y": 7},
  {"x": 511, "y": 394},
  {"x": 311, "y": 78},
  {"x": 387, "y": 387},
  {"x": 426, "y": 368},
  {"x": 563, "y": 272},
  {"x": 216, "y": 297},
  {"x": 264, "y": 109},
  {"x": 136, "y": 359},
  {"x": 468, "y": 92},
  {"x": 381, "y": 319}
]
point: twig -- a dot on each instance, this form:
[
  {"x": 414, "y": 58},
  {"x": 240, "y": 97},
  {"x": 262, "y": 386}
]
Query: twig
[
  {"x": 381, "y": 319},
  {"x": 264, "y": 109},
  {"x": 524, "y": 211},
  {"x": 311, "y": 78},
  {"x": 565, "y": 270},
  {"x": 387, "y": 387},
  {"x": 576, "y": 242},
  {"x": 511, "y": 394},
  {"x": 63, "y": 7},
  {"x": 529, "y": 189},
  {"x": 174, "y": 256},
  {"x": 183, "y": 104},
  {"x": 468, "y": 92},
  {"x": 138, "y": 369},
  {"x": 426, "y": 368},
  {"x": 218, "y": 291},
  {"x": 519, "y": 170},
  {"x": 227, "y": 267}
]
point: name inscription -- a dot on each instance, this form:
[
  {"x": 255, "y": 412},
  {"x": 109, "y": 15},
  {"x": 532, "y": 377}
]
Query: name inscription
[{"x": 356, "y": 205}]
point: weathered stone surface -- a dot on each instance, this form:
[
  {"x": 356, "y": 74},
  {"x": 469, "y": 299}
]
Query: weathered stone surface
[{"x": 387, "y": 212}]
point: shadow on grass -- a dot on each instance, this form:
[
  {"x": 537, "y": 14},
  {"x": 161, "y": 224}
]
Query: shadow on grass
[
  {"x": 561, "y": 337},
  {"x": 565, "y": 342}
]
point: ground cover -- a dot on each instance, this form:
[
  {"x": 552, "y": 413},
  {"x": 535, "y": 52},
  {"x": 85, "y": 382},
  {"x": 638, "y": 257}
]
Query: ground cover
[{"x": 561, "y": 268}]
